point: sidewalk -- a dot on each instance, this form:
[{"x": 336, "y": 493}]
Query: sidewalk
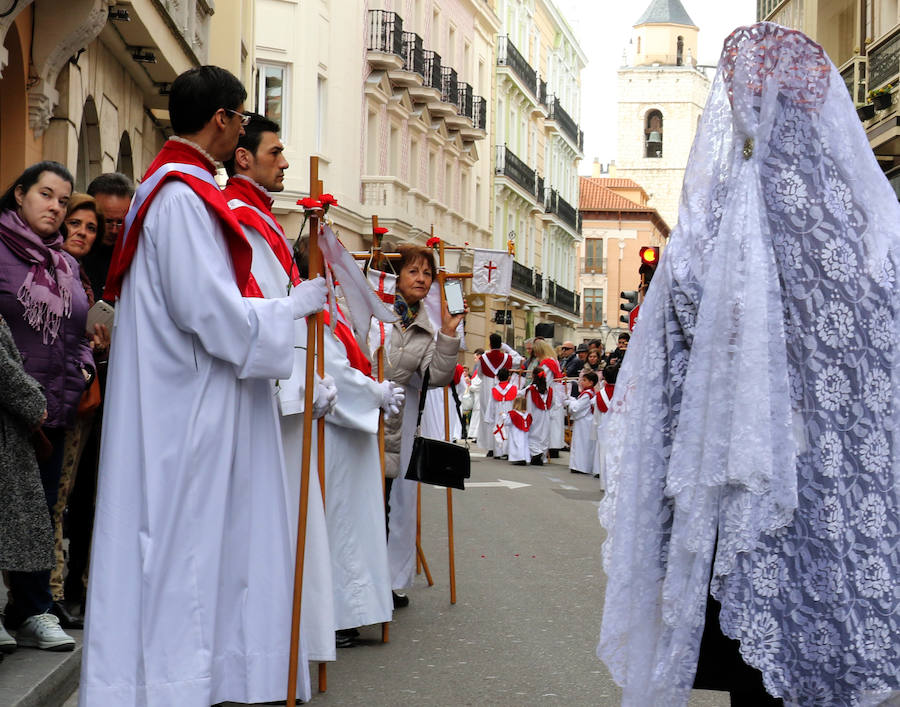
[{"x": 34, "y": 678}]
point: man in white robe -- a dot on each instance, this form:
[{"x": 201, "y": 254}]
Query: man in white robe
[
  {"x": 189, "y": 597},
  {"x": 349, "y": 583}
]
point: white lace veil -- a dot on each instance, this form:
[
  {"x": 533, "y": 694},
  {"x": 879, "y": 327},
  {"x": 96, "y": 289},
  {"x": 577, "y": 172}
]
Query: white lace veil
[{"x": 753, "y": 422}]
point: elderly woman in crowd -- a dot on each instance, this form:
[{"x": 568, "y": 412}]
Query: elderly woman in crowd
[
  {"x": 44, "y": 304},
  {"x": 414, "y": 349}
]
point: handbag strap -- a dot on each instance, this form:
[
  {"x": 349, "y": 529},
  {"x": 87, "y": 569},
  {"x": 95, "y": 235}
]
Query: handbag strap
[{"x": 422, "y": 396}]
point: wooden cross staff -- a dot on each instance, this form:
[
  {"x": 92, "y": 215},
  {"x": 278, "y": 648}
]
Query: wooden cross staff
[{"x": 314, "y": 342}]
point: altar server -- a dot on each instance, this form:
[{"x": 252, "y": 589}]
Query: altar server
[
  {"x": 518, "y": 426},
  {"x": 189, "y": 599},
  {"x": 503, "y": 394},
  {"x": 581, "y": 412},
  {"x": 539, "y": 399}
]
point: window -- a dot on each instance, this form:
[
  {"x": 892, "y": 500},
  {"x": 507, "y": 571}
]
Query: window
[
  {"x": 653, "y": 134},
  {"x": 321, "y": 113},
  {"x": 679, "y": 52},
  {"x": 271, "y": 97},
  {"x": 394, "y": 148},
  {"x": 372, "y": 143},
  {"x": 592, "y": 306},
  {"x": 593, "y": 255},
  {"x": 414, "y": 164}
]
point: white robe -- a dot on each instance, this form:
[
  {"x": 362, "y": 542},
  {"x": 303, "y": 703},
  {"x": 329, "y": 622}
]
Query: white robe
[
  {"x": 433, "y": 414},
  {"x": 557, "y": 418},
  {"x": 190, "y": 566},
  {"x": 518, "y": 447},
  {"x": 539, "y": 434},
  {"x": 497, "y": 410},
  {"x": 317, "y": 623},
  {"x": 475, "y": 418},
  {"x": 581, "y": 411}
]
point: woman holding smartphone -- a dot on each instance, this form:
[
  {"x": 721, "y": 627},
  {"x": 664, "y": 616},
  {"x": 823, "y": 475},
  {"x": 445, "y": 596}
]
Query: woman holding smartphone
[{"x": 414, "y": 349}]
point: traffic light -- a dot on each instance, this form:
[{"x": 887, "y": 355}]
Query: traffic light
[
  {"x": 649, "y": 260},
  {"x": 630, "y": 297}
]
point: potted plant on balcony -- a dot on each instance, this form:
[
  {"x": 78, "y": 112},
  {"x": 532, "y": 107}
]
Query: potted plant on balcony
[
  {"x": 866, "y": 112},
  {"x": 881, "y": 97}
]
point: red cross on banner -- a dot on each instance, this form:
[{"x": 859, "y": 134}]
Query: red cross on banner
[
  {"x": 499, "y": 431},
  {"x": 490, "y": 268}
]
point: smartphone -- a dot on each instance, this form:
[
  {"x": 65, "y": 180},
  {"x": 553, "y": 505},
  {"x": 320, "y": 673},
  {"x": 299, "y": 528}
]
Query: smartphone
[
  {"x": 101, "y": 313},
  {"x": 453, "y": 293}
]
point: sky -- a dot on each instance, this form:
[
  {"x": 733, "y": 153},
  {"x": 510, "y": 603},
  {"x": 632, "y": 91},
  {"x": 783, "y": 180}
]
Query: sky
[{"x": 604, "y": 27}]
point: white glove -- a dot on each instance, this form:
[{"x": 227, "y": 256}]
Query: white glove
[
  {"x": 309, "y": 297},
  {"x": 392, "y": 397},
  {"x": 324, "y": 396}
]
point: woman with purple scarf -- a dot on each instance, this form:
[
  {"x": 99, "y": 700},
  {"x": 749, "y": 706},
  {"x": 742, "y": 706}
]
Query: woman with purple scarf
[{"x": 45, "y": 306}]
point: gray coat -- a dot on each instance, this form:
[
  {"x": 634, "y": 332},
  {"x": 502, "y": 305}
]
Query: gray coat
[
  {"x": 26, "y": 538},
  {"x": 413, "y": 351}
]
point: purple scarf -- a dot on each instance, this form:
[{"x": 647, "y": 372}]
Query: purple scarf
[{"x": 46, "y": 292}]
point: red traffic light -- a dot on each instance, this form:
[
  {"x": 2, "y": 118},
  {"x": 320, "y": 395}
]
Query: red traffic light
[{"x": 649, "y": 256}]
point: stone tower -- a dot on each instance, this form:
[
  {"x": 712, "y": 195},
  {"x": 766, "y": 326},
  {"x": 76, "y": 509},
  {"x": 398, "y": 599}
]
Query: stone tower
[{"x": 661, "y": 94}]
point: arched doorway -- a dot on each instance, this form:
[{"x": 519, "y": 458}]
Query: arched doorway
[
  {"x": 124, "y": 162},
  {"x": 89, "y": 155},
  {"x": 14, "y": 116}
]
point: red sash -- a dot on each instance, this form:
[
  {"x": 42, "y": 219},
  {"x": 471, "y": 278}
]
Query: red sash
[
  {"x": 604, "y": 397},
  {"x": 504, "y": 394},
  {"x": 539, "y": 402},
  {"x": 520, "y": 421},
  {"x": 169, "y": 162},
  {"x": 553, "y": 365},
  {"x": 253, "y": 208},
  {"x": 590, "y": 394},
  {"x": 493, "y": 360},
  {"x": 355, "y": 355}
]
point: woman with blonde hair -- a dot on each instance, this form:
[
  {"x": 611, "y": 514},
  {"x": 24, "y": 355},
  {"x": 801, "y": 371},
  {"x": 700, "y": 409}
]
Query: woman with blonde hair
[{"x": 556, "y": 417}]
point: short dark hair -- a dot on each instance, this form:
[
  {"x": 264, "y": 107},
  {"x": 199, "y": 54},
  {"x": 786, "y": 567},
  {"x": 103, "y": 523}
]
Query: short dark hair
[
  {"x": 503, "y": 374},
  {"x": 198, "y": 93},
  {"x": 113, "y": 183},
  {"x": 478, "y": 352},
  {"x": 495, "y": 340},
  {"x": 29, "y": 178},
  {"x": 610, "y": 373},
  {"x": 625, "y": 336},
  {"x": 252, "y": 136},
  {"x": 591, "y": 376}
]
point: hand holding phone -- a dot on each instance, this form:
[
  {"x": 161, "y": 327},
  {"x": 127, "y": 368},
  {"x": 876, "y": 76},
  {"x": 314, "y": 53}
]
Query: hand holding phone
[{"x": 453, "y": 293}]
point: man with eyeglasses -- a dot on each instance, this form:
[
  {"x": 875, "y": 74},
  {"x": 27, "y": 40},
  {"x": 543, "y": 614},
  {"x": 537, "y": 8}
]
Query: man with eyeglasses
[
  {"x": 112, "y": 191},
  {"x": 191, "y": 563}
]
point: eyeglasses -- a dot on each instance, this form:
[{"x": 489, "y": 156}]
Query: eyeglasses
[
  {"x": 566, "y": 348},
  {"x": 245, "y": 118}
]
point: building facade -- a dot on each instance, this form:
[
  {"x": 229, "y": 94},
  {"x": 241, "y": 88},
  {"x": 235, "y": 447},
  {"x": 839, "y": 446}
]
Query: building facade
[
  {"x": 617, "y": 221},
  {"x": 862, "y": 38},
  {"x": 661, "y": 95},
  {"x": 538, "y": 145},
  {"x": 84, "y": 82}
]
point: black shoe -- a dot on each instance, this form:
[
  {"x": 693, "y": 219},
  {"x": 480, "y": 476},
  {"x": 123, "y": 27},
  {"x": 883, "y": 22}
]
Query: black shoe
[
  {"x": 490, "y": 453},
  {"x": 537, "y": 460},
  {"x": 554, "y": 454},
  {"x": 67, "y": 618},
  {"x": 520, "y": 463},
  {"x": 400, "y": 600},
  {"x": 343, "y": 641}
]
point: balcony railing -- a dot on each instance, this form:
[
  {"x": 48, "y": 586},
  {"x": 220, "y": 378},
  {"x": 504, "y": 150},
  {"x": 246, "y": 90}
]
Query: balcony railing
[
  {"x": 539, "y": 185},
  {"x": 555, "y": 204},
  {"x": 884, "y": 60},
  {"x": 413, "y": 54},
  {"x": 479, "y": 112},
  {"x": 509, "y": 56},
  {"x": 593, "y": 265},
  {"x": 385, "y": 32},
  {"x": 449, "y": 85},
  {"x": 432, "y": 62},
  {"x": 465, "y": 99},
  {"x": 526, "y": 280},
  {"x": 511, "y": 166},
  {"x": 559, "y": 296},
  {"x": 542, "y": 92},
  {"x": 568, "y": 126}
]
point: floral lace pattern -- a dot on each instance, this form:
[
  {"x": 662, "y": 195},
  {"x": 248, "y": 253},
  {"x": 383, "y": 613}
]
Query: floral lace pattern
[{"x": 751, "y": 443}]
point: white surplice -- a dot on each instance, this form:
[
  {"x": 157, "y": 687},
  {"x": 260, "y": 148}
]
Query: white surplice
[
  {"x": 539, "y": 434},
  {"x": 518, "y": 448},
  {"x": 317, "y": 621},
  {"x": 189, "y": 598},
  {"x": 581, "y": 412},
  {"x": 475, "y": 385}
]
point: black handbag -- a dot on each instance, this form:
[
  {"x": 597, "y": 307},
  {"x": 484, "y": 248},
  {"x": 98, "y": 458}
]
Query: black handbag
[{"x": 435, "y": 461}]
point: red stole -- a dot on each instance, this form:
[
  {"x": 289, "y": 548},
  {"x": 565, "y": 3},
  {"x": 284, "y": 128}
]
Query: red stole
[
  {"x": 458, "y": 374},
  {"x": 604, "y": 397},
  {"x": 253, "y": 208},
  {"x": 168, "y": 162},
  {"x": 553, "y": 365},
  {"x": 493, "y": 360},
  {"x": 541, "y": 403},
  {"x": 504, "y": 392},
  {"x": 355, "y": 355},
  {"x": 520, "y": 421},
  {"x": 590, "y": 394}
]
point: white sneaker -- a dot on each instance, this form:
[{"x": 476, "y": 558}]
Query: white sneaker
[
  {"x": 7, "y": 642},
  {"x": 43, "y": 631}
]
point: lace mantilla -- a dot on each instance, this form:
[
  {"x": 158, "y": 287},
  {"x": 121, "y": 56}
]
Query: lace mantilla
[{"x": 751, "y": 434}]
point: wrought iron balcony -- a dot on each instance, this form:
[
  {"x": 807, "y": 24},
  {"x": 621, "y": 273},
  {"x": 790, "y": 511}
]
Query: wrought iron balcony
[
  {"x": 479, "y": 112},
  {"x": 449, "y": 85},
  {"x": 566, "y": 124},
  {"x": 539, "y": 185},
  {"x": 526, "y": 280},
  {"x": 465, "y": 99},
  {"x": 559, "y": 296},
  {"x": 385, "y": 32},
  {"x": 511, "y": 166},
  {"x": 509, "y": 56},
  {"x": 413, "y": 54},
  {"x": 884, "y": 60},
  {"x": 432, "y": 63},
  {"x": 555, "y": 204},
  {"x": 542, "y": 92}
]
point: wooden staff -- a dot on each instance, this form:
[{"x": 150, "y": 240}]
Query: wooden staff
[
  {"x": 379, "y": 361},
  {"x": 314, "y": 324}
]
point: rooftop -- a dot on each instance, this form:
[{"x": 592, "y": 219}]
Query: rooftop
[
  {"x": 665, "y": 12},
  {"x": 596, "y": 194}
]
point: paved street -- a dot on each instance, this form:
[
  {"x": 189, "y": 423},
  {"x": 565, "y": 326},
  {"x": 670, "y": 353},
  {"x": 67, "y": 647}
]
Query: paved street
[{"x": 529, "y": 592}]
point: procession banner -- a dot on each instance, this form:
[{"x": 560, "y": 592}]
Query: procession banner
[{"x": 492, "y": 272}]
